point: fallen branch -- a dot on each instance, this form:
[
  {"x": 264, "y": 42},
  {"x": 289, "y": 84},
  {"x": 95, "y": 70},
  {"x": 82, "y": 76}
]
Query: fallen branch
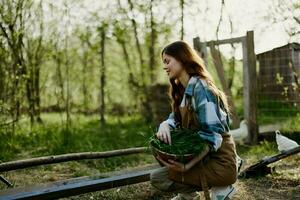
[{"x": 20, "y": 164}]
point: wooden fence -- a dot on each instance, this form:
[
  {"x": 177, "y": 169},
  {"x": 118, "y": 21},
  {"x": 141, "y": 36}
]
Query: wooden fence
[{"x": 249, "y": 78}]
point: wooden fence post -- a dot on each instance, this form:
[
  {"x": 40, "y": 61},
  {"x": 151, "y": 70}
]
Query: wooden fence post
[
  {"x": 250, "y": 87},
  {"x": 201, "y": 48},
  {"x": 249, "y": 78}
]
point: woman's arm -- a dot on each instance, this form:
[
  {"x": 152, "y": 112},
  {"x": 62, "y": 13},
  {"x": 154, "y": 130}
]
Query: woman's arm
[
  {"x": 163, "y": 130},
  {"x": 171, "y": 120},
  {"x": 212, "y": 124}
]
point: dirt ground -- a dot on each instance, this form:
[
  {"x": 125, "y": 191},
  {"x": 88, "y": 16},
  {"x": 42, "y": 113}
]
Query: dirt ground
[{"x": 283, "y": 184}]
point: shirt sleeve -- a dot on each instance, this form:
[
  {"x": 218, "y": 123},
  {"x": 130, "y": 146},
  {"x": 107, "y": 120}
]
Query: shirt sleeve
[
  {"x": 210, "y": 123},
  {"x": 170, "y": 120}
]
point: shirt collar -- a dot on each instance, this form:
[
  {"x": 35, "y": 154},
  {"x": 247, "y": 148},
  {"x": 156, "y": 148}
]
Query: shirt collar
[{"x": 191, "y": 85}]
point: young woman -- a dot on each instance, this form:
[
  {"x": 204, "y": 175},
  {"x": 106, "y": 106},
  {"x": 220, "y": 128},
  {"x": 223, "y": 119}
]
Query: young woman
[{"x": 196, "y": 102}]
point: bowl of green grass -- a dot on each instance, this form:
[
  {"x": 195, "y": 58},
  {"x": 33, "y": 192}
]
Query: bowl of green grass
[{"x": 185, "y": 145}]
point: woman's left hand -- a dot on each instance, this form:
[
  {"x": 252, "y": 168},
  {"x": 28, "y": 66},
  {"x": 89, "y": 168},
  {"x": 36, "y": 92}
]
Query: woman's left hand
[
  {"x": 174, "y": 165},
  {"x": 180, "y": 167}
]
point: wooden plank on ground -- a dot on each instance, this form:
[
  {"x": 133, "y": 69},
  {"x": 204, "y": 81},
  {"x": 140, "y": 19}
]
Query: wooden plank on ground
[{"x": 76, "y": 186}]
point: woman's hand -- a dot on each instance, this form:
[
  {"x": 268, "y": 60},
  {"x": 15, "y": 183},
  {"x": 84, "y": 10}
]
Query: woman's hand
[
  {"x": 164, "y": 132},
  {"x": 180, "y": 167},
  {"x": 172, "y": 164}
]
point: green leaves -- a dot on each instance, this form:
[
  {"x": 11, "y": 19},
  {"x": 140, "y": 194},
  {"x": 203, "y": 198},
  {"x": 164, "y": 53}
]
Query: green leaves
[{"x": 184, "y": 141}]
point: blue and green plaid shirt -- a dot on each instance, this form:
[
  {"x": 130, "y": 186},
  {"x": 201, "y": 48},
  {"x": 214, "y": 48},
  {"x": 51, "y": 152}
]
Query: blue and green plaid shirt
[{"x": 212, "y": 118}]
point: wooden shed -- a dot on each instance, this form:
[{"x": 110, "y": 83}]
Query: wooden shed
[{"x": 279, "y": 73}]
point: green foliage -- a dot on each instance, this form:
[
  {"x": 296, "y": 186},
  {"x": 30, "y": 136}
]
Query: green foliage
[
  {"x": 183, "y": 141},
  {"x": 85, "y": 135},
  {"x": 274, "y": 111}
]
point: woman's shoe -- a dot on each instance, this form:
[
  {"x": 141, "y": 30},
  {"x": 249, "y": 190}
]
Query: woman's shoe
[
  {"x": 186, "y": 196},
  {"x": 222, "y": 192}
]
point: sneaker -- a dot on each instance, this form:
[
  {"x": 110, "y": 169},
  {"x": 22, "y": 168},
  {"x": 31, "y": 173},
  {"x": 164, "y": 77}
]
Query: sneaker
[
  {"x": 186, "y": 196},
  {"x": 222, "y": 192}
]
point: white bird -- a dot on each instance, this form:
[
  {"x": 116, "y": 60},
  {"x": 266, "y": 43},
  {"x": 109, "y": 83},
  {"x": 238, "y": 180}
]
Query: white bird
[
  {"x": 284, "y": 143},
  {"x": 240, "y": 133}
]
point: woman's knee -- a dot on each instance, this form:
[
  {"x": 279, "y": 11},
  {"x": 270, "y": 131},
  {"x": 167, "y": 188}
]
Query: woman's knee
[
  {"x": 232, "y": 178},
  {"x": 158, "y": 174},
  {"x": 159, "y": 179},
  {"x": 226, "y": 178}
]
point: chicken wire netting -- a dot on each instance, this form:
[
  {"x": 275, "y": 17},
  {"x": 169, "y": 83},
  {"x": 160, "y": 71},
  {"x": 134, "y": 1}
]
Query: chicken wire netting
[{"x": 278, "y": 91}]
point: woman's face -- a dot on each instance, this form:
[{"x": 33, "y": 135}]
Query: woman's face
[{"x": 172, "y": 66}]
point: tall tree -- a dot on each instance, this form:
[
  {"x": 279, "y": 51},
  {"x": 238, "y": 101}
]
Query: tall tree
[
  {"x": 102, "y": 32},
  {"x": 35, "y": 52},
  {"x": 12, "y": 25},
  {"x": 182, "y": 19},
  {"x": 153, "y": 38}
]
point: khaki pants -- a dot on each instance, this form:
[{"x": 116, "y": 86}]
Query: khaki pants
[{"x": 159, "y": 180}]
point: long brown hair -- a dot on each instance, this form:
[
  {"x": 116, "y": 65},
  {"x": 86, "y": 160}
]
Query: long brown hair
[{"x": 194, "y": 66}]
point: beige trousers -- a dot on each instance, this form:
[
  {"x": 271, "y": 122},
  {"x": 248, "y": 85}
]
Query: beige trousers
[{"x": 159, "y": 180}]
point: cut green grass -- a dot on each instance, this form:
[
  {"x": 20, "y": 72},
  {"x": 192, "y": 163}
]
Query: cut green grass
[{"x": 183, "y": 141}]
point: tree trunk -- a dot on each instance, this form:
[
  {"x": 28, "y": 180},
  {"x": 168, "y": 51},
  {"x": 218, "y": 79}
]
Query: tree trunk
[
  {"x": 182, "y": 19},
  {"x": 102, "y": 73}
]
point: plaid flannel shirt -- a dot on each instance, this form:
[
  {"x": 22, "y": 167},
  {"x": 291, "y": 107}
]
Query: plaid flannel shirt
[{"x": 212, "y": 118}]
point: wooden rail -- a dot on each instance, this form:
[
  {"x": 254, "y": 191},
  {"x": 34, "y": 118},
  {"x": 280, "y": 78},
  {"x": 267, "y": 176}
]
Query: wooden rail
[
  {"x": 76, "y": 186},
  {"x": 20, "y": 164}
]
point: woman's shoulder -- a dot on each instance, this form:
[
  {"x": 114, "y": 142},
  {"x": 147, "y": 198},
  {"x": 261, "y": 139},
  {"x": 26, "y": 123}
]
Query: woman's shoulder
[
  {"x": 200, "y": 83},
  {"x": 201, "y": 87},
  {"x": 202, "y": 92}
]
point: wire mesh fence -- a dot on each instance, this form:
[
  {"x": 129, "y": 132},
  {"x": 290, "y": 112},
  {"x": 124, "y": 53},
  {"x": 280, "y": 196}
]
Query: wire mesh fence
[{"x": 278, "y": 87}]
